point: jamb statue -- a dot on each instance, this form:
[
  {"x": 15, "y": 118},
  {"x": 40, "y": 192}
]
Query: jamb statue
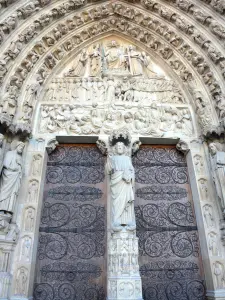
[
  {"x": 10, "y": 180},
  {"x": 121, "y": 171},
  {"x": 217, "y": 159}
]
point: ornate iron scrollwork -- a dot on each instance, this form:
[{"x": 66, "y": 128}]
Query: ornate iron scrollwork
[
  {"x": 166, "y": 227},
  {"x": 72, "y": 241}
]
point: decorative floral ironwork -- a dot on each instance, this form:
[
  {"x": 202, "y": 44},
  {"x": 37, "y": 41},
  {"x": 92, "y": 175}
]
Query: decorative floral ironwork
[
  {"x": 71, "y": 273},
  {"x": 175, "y": 290},
  {"x": 166, "y": 227},
  {"x": 170, "y": 270},
  {"x": 75, "y": 164},
  {"x": 72, "y": 241},
  {"x": 159, "y": 193},
  {"x": 75, "y": 193}
]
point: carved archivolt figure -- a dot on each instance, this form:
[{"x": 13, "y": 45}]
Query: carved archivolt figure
[
  {"x": 121, "y": 171},
  {"x": 10, "y": 180}
]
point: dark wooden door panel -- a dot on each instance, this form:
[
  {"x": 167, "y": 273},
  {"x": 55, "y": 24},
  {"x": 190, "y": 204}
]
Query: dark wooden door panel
[
  {"x": 170, "y": 261},
  {"x": 71, "y": 262}
]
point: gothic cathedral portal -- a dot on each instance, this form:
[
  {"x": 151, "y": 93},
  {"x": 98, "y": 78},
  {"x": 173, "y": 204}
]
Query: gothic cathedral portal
[{"x": 71, "y": 258}]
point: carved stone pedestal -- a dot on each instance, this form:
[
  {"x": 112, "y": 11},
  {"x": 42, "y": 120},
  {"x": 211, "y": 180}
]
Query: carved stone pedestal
[
  {"x": 8, "y": 237},
  {"x": 124, "y": 281},
  {"x": 216, "y": 295}
]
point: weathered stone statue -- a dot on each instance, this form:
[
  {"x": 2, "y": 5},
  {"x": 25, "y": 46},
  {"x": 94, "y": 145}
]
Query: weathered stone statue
[
  {"x": 124, "y": 281},
  {"x": 134, "y": 58},
  {"x": 11, "y": 178},
  {"x": 114, "y": 56},
  {"x": 80, "y": 68},
  {"x": 1, "y": 150},
  {"x": 95, "y": 57},
  {"x": 218, "y": 171},
  {"x": 121, "y": 172}
]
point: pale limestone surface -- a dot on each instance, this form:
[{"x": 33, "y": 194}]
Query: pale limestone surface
[{"x": 80, "y": 69}]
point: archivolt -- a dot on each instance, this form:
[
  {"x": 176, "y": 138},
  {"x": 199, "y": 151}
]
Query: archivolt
[{"x": 186, "y": 38}]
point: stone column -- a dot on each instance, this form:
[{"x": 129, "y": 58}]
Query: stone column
[{"x": 124, "y": 280}]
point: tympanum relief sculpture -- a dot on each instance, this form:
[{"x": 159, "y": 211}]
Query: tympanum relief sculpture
[{"x": 110, "y": 85}]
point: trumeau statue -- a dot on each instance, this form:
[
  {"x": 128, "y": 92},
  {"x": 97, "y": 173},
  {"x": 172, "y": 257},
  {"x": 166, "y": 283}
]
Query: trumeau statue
[
  {"x": 123, "y": 243},
  {"x": 10, "y": 180},
  {"x": 121, "y": 173}
]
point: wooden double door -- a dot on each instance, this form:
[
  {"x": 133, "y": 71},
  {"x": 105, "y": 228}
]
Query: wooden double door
[{"x": 71, "y": 257}]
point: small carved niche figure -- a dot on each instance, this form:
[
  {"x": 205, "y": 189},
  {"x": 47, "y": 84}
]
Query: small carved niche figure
[
  {"x": 219, "y": 275},
  {"x": 29, "y": 219},
  {"x": 198, "y": 161},
  {"x": 26, "y": 248},
  {"x": 203, "y": 189},
  {"x": 33, "y": 191},
  {"x": 208, "y": 215},
  {"x": 21, "y": 281},
  {"x": 36, "y": 165},
  {"x": 10, "y": 180},
  {"x": 212, "y": 242}
]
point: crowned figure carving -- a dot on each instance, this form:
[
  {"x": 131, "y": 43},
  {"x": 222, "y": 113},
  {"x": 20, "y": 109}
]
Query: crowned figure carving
[
  {"x": 121, "y": 173},
  {"x": 124, "y": 281}
]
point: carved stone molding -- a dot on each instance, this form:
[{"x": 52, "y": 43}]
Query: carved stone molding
[
  {"x": 183, "y": 147},
  {"x": 51, "y": 145},
  {"x": 116, "y": 17}
]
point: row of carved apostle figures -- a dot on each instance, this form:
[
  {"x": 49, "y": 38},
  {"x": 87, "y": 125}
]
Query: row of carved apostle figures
[{"x": 152, "y": 121}]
